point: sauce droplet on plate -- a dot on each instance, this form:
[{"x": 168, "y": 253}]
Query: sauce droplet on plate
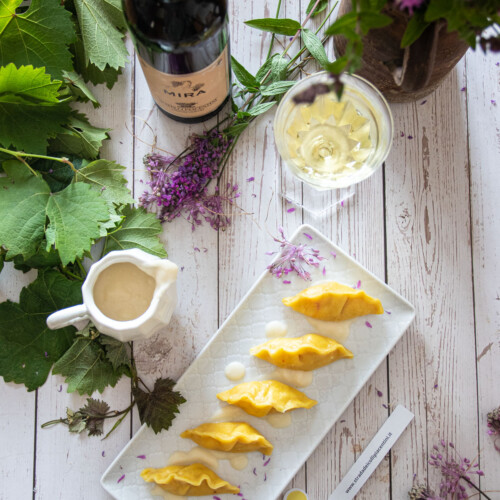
[
  {"x": 276, "y": 329},
  {"x": 235, "y": 371}
]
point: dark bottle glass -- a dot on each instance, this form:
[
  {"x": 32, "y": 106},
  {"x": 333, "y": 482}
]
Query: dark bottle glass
[{"x": 183, "y": 48}]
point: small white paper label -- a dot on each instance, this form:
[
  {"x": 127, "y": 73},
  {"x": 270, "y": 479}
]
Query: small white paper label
[{"x": 373, "y": 454}]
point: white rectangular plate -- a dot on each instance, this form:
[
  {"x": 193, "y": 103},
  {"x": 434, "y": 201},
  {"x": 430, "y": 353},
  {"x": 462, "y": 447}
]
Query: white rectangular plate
[{"x": 334, "y": 386}]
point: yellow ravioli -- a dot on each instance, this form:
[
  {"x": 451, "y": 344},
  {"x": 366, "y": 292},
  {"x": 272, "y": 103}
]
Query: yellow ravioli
[
  {"x": 238, "y": 437},
  {"x": 333, "y": 301},
  {"x": 188, "y": 480},
  {"x": 302, "y": 353},
  {"x": 262, "y": 397}
]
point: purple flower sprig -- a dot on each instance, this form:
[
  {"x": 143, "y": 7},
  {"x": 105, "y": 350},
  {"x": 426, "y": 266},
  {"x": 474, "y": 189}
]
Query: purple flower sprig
[
  {"x": 178, "y": 185},
  {"x": 455, "y": 470},
  {"x": 294, "y": 258}
]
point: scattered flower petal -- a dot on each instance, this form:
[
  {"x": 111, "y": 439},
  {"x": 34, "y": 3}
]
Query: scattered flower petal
[
  {"x": 121, "y": 478},
  {"x": 308, "y": 236},
  {"x": 423, "y": 102},
  {"x": 196, "y": 249},
  {"x": 286, "y": 282},
  {"x": 334, "y": 254},
  {"x": 103, "y": 454},
  {"x": 250, "y": 179},
  {"x": 368, "y": 324},
  {"x": 463, "y": 89},
  {"x": 379, "y": 393},
  {"x": 267, "y": 462},
  {"x": 60, "y": 388},
  {"x": 142, "y": 457},
  {"x": 358, "y": 285},
  {"x": 290, "y": 210},
  {"x": 410, "y": 137},
  {"x": 254, "y": 471},
  {"x": 402, "y": 134},
  {"x": 324, "y": 271}
]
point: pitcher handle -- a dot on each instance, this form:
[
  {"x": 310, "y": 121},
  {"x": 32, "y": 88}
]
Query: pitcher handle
[
  {"x": 68, "y": 316},
  {"x": 419, "y": 59}
]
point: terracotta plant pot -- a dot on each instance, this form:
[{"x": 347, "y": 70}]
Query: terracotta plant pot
[{"x": 408, "y": 74}]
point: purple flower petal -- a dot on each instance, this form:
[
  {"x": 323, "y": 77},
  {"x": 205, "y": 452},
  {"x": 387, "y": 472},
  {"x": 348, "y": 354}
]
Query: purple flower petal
[
  {"x": 290, "y": 210},
  {"x": 334, "y": 254},
  {"x": 410, "y": 137},
  {"x": 308, "y": 236},
  {"x": 286, "y": 282},
  {"x": 103, "y": 454},
  {"x": 388, "y": 312},
  {"x": 368, "y": 324},
  {"x": 379, "y": 393},
  {"x": 423, "y": 102},
  {"x": 196, "y": 249},
  {"x": 60, "y": 388},
  {"x": 142, "y": 457},
  {"x": 121, "y": 478},
  {"x": 324, "y": 271},
  {"x": 250, "y": 179},
  {"x": 402, "y": 134},
  {"x": 266, "y": 463},
  {"x": 358, "y": 285},
  {"x": 463, "y": 89},
  {"x": 254, "y": 471}
]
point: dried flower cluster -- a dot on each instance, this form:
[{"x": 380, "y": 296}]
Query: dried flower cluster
[
  {"x": 179, "y": 184},
  {"x": 420, "y": 492},
  {"x": 494, "y": 422},
  {"x": 294, "y": 258}
]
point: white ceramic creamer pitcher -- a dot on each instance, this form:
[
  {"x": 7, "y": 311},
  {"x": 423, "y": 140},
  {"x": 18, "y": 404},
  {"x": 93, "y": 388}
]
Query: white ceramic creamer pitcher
[{"x": 156, "y": 316}]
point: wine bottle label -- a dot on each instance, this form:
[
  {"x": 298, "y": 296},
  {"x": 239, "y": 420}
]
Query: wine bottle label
[{"x": 190, "y": 95}]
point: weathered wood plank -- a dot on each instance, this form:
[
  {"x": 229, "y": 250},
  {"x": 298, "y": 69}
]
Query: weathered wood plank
[
  {"x": 483, "y": 94},
  {"x": 432, "y": 370},
  {"x": 78, "y": 461}
]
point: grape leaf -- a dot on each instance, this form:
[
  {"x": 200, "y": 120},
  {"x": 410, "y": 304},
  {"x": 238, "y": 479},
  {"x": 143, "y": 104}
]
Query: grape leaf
[
  {"x": 107, "y": 176},
  {"x": 139, "y": 229},
  {"x": 86, "y": 368},
  {"x": 80, "y": 138},
  {"x": 42, "y": 259},
  {"x": 118, "y": 353},
  {"x": 75, "y": 214},
  {"x": 90, "y": 72},
  {"x": 79, "y": 88},
  {"x": 157, "y": 408},
  {"x": 56, "y": 174},
  {"x": 102, "y": 41},
  {"x": 22, "y": 209},
  {"x": 40, "y": 36},
  {"x": 27, "y": 347},
  {"x": 30, "y": 110}
]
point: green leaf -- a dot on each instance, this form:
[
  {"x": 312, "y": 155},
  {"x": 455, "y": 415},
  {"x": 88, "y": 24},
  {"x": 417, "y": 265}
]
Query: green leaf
[
  {"x": 261, "y": 108},
  {"x": 103, "y": 42},
  {"x": 38, "y": 37},
  {"x": 79, "y": 88},
  {"x": 90, "y": 72},
  {"x": 279, "y": 26},
  {"x": 314, "y": 46},
  {"x": 414, "y": 29},
  {"x": 278, "y": 68},
  {"x": 157, "y": 408},
  {"x": 236, "y": 129},
  {"x": 75, "y": 214},
  {"x": 336, "y": 67},
  {"x": 373, "y": 20},
  {"x": 56, "y": 174},
  {"x": 22, "y": 209},
  {"x": 243, "y": 76},
  {"x": 80, "y": 138},
  {"x": 85, "y": 367},
  {"x": 30, "y": 110},
  {"x": 27, "y": 347},
  {"x": 95, "y": 410},
  {"x": 42, "y": 259},
  {"x": 139, "y": 229},
  {"x": 439, "y": 9},
  {"x": 265, "y": 68},
  {"x": 118, "y": 353},
  {"x": 277, "y": 88},
  {"x": 347, "y": 21},
  {"x": 322, "y": 5},
  {"x": 107, "y": 177}
]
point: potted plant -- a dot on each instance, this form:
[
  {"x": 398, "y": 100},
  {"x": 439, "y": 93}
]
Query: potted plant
[{"x": 406, "y": 47}]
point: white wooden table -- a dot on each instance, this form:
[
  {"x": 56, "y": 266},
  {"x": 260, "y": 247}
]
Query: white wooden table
[{"x": 426, "y": 223}]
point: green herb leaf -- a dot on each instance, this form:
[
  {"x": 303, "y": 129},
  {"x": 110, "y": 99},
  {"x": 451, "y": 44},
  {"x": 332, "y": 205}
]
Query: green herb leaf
[
  {"x": 278, "y": 68},
  {"x": 27, "y": 347},
  {"x": 107, "y": 177},
  {"x": 22, "y": 209},
  {"x": 322, "y": 5},
  {"x": 95, "y": 412},
  {"x": 373, "y": 20},
  {"x": 79, "y": 88},
  {"x": 265, "y": 68},
  {"x": 80, "y": 138},
  {"x": 243, "y": 76},
  {"x": 86, "y": 368},
  {"x": 102, "y": 41},
  {"x": 139, "y": 229},
  {"x": 40, "y": 36},
  {"x": 315, "y": 47},
  {"x": 277, "y": 88},
  {"x": 30, "y": 110},
  {"x": 439, "y": 9},
  {"x": 346, "y": 22},
  {"x": 237, "y": 129},
  {"x": 157, "y": 408},
  {"x": 258, "y": 109},
  {"x": 118, "y": 353},
  {"x": 75, "y": 214},
  {"x": 279, "y": 26},
  {"x": 414, "y": 29}
]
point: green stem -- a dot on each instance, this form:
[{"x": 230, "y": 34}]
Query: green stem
[
  {"x": 21, "y": 155},
  {"x": 82, "y": 269},
  {"x": 273, "y": 36},
  {"x": 69, "y": 274}
]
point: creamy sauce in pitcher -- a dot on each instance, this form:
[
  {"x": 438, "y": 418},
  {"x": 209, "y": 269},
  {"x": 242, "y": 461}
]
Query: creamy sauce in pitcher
[{"x": 123, "y": 291}]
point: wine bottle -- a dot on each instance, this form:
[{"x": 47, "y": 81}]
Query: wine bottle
[{"x": 183, "y": 48}]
